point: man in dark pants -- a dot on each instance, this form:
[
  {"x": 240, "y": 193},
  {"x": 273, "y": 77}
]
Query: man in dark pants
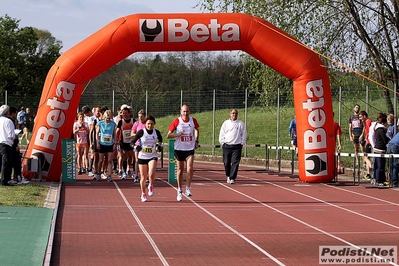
[
  {"x": 232, "y": 136},
  {"x": 7, "y": 136}
]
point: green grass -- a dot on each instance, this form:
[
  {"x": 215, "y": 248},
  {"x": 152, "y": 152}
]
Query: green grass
[
  {"x": 262, "y": 129},
  {"x": 30, "y": 195}
]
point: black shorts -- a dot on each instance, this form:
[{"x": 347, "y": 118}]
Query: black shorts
[
  {"x": 356, "y": 139},
  {"x": 126, "y": 146},
  {"x": 181, "y": 156},
  {"x": 146, "y": 161},
  {"x": 106, "y": 149}
]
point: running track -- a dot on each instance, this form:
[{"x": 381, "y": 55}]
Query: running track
[{"x": 264, "y": 219}]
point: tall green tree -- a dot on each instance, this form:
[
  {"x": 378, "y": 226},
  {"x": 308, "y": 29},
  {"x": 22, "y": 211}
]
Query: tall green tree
[
  {"x": 363, "y": 35},
  {"x": 26, "y": 55}
]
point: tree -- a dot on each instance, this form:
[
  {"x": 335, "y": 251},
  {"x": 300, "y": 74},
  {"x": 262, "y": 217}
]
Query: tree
[
  {"x": 26, "y": 55},
  {"x": 363, "y": 35}
]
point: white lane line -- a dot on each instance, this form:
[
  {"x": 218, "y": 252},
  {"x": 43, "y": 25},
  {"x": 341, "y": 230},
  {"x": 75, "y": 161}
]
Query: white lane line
[
  {"x": 230, "y": 228},
  {"x": 142, "y": 227},
  {"x": 290, "y": 216},
  {"x": 364, "y": 195}
]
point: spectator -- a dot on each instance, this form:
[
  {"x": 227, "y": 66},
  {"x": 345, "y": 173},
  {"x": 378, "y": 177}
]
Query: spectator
[
  {"x": 365, "y": 143},
  {"x": 16, "y": 154},
  {"x": 21, "y": 118},
  {"x": 393, "y": 148},
  {"x": 232, "y": 137},
  {"x": 7, "y": 136},
  {"x": 292, "y": 132},
  {"x": 150, "y": 141},
  {"x": 391, "y": 126},
  {"x": 380, "y": 147},
  {"x": 337, "y": 133},
  {"x": 187, "y": 137},
  {"x": 355, "y": 130}
]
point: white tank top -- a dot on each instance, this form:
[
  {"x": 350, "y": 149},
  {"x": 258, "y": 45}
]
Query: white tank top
[
  {"x": 185, "y": 142},
  {"x": 148, "y": 144}
]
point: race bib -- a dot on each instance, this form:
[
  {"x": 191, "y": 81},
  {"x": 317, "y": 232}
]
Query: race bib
[
  {"x": 106, "y": 138},
  {"x": 148, "y": 149}
]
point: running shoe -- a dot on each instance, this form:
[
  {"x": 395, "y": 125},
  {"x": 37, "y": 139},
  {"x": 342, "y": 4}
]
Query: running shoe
[
  {"x": 96, "y": 177},
  {"x": 103, "y": 176},
  {"x": 90, "y": 173},
  {"x": 179, "y": 195},
  {"x": 143, "y": 197},
  {"x": 80, "y": 171},
  {"x": 12, "y": 182},
  {"x": 124, "y": 176},
  {"x": 120, "y": 174},
  {"x": 188, "y": 192},
  {"x": 150, "y": 190},
  {"x": 22, "y": 181},
  {"x": 373, "y": 181},
  {"x": 232, "y": 181},
  {"x": 109, "y": 178},
  {"x": 228, "y": 180},
  {"x": 367, "y": 177}
]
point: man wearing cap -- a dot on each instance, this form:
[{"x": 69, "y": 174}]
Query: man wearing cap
[{"x": 7, "y": 136}]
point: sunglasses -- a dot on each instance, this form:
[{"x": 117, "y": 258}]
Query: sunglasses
[{"x": 234, "y": 113}]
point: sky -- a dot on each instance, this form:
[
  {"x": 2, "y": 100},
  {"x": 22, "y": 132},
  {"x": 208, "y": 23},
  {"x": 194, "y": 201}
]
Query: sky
[{"x": 71, "y": 21}]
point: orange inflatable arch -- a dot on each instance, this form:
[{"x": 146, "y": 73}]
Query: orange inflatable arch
[{"x": 189, "y": 32}]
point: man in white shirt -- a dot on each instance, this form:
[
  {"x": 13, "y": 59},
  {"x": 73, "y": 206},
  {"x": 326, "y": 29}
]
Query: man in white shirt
[
  {"x": 7, "y": 136},
  {"x": 232, "y": 137}
]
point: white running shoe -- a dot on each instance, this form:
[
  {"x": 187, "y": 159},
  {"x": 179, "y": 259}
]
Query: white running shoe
[
  {"x": 188, "y": 192},
  {"x": 150, "y": 190},
  {"x": 103, "y": 176},
  {"x": 143, "y": 197},
  {"x": 179, "y": 195},
  {"x": 124, "y": 176},
  {"x": 12, "y": 182},
  {"x": 228, "y": 180},
  {"x": 22, "y": 181},
  {"x": 232, "y": 181}
]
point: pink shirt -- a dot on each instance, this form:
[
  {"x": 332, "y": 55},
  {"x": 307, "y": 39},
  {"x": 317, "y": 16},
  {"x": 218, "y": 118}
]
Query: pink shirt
[{"x": 136, "y": 127}]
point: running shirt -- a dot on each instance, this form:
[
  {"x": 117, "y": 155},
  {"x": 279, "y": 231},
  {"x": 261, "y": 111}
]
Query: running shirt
[
  {"x": 106, "y": 132},
  {"x": 148, "y": 143},
  {"x": 126, "y": 130},
  {"x": 138, "y": 126},
  {"x": 185, "y": 142},
  {"x": 81, "y": 135},
  {"x": 357, "y": 125}
]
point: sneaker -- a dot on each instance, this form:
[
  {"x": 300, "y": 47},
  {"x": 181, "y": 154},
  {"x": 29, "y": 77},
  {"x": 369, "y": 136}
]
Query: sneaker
[
  {"x": 120, "y": 174},
  {"x": 90, "y": 173},
  {"x": 135, "y": 179},
  {"x": 124, "y": 176},
  {"x": 179, "y": 195},
  {"x": 80, "y": 171},
  {"x": 228, "y": 180},
  {"x": 143, "y": 197},
  {"x": 103, "y": 176},
  {"x": 150, "y": 190},
  {"x": 188, "y": 192},
  {"x": 386, "y": 183},
  {"x": 22, "y": 181},
  {"x": 232, "y": 181},
  {"x": 367, "y": 177},
  {"x": 97, "y": 177},
  {"x": 372, "y": 181},
  {"x": 129, "y": 174},
  {"x": 109, "y": 178},
  {"x": 12, "y": 182}
]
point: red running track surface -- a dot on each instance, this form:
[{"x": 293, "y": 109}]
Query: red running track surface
[{"x": 263, "y": 219}]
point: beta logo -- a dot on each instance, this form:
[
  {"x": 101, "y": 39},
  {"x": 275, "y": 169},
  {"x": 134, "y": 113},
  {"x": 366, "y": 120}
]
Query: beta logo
[
  {"x": 180, "y": 30},
  {"x": 151, "y": 30},
  {"x": 316, "y": 164}
]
